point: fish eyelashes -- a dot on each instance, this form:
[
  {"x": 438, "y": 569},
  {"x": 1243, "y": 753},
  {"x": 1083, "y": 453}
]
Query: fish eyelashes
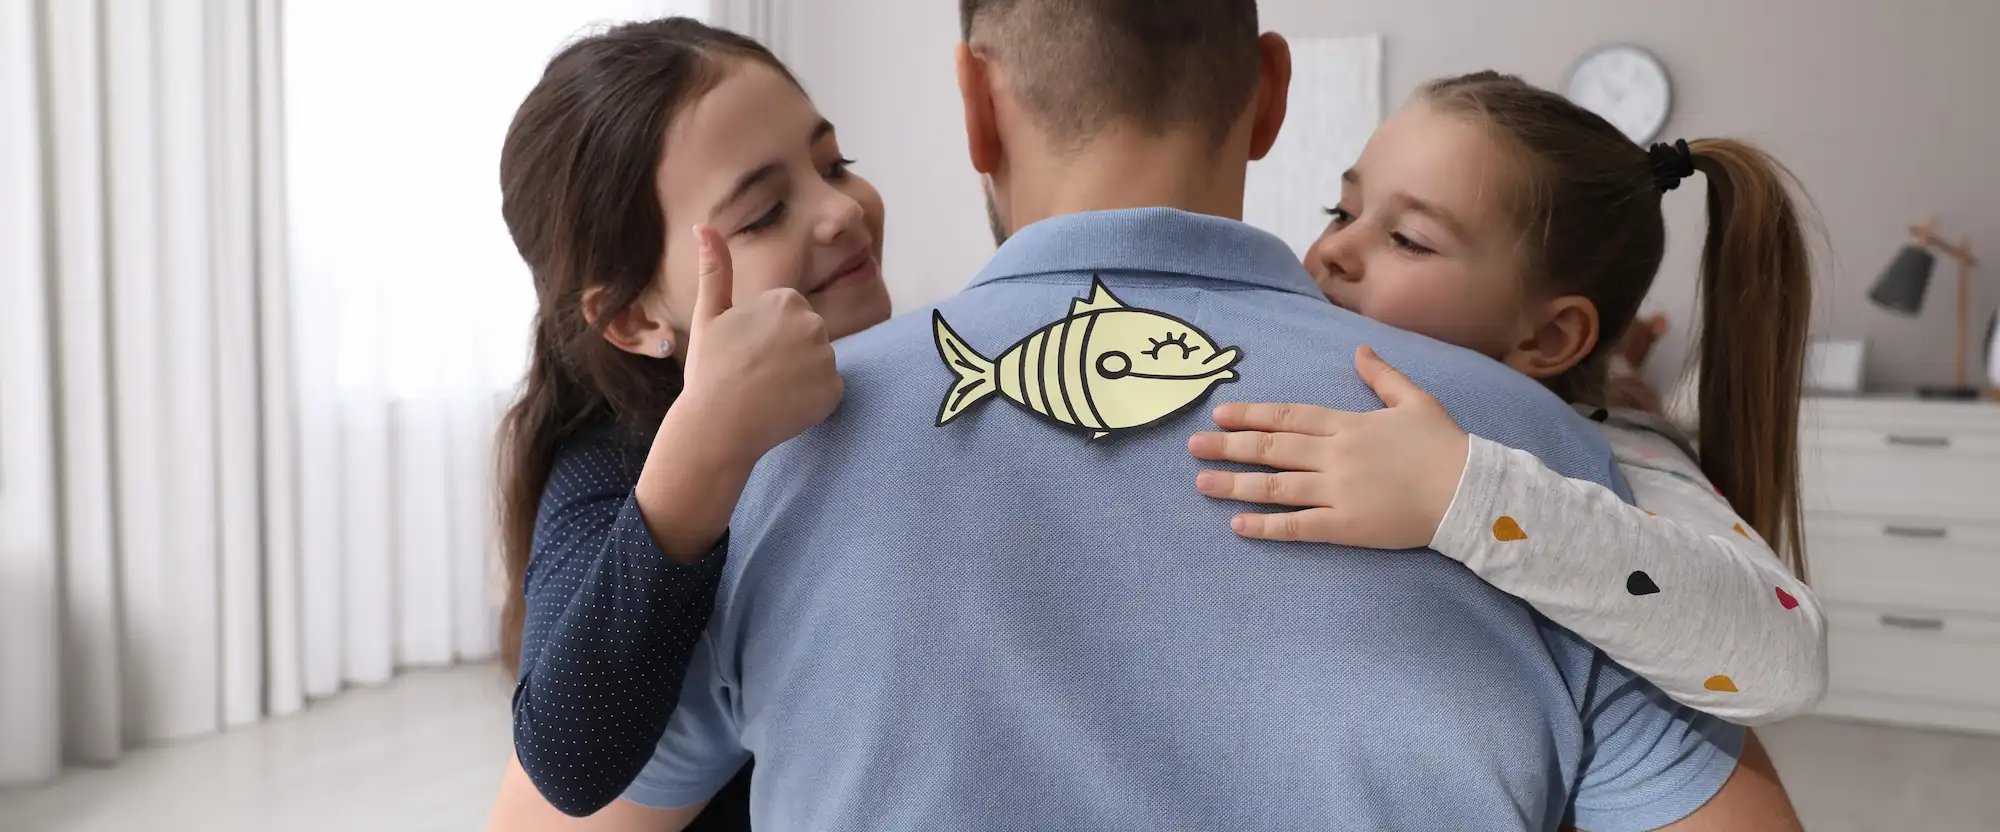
[{"x": 1171, "y": 340}]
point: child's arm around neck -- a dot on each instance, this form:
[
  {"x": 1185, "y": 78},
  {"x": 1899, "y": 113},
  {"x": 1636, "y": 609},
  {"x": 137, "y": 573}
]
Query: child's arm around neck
[{"x": 1676, "y": 587}]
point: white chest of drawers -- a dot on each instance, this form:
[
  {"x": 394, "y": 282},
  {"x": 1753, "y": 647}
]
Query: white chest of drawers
[{"x": 1902, "y": 503}]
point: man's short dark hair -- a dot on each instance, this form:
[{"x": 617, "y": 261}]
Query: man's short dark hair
[{"x": 1160, "y": 65}]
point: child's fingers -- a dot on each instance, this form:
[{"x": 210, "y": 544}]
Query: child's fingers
[
  {"x": 1309, "y": 419},
  {"x": 716, "y": 275},
  {"x": 1313, "y": 525},
  {"x": 1289, "y": 451},
  {"x": 1394, "y": 388},
  {"x": 1286, "y": 489}
]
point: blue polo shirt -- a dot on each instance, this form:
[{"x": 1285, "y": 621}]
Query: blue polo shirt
[{"x": 1001, "y": 623}]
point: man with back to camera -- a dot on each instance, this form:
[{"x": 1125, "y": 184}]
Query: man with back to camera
[{"x": 985, "y": 594}]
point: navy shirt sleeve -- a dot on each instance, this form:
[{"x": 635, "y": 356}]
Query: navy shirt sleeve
[{"x": 611, "y": 624}]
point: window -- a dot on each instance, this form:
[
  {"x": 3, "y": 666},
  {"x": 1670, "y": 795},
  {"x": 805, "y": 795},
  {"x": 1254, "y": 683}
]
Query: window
[{"x": 406, "y": 283}]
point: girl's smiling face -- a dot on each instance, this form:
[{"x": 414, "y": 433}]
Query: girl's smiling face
[{"x": 754, "y": 159}]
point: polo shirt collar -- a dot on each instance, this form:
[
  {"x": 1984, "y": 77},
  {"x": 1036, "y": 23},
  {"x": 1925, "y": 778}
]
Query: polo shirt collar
[{"x": 1161, "y": 240}]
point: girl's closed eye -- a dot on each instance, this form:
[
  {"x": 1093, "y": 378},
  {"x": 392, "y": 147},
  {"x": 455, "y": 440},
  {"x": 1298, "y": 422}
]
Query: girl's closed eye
[
  {"x": 834, "y": 172},
  {"x": 1412, "y": 246},
  {"x": 768, "y": 220},
  {"x": 1342, "y": 217}
]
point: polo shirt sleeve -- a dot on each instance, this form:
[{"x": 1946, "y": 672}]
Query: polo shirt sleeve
[
  {"x": 702, "y": 747},
  {"x": 1648, "y": 761}
]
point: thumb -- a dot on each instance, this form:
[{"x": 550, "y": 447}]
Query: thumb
[
  {"x": 715, "y": 275},
  {"x": 1394, "y": 388}
]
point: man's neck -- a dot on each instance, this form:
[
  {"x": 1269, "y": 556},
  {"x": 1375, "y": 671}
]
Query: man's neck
[{"x": 1125, "y": 169}]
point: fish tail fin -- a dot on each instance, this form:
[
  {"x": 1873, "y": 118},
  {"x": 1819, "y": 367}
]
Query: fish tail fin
[{"x": 975, "y": 373}]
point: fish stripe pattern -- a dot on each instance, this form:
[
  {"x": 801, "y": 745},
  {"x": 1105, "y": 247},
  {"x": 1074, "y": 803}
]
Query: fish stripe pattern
[
  {"x": 1050, "y": 382},
  {"x": 1063, "y": 381},
  {"x": 1007, "y": 374},
  {"x": 1096, "y": 419},
  {"x": 1042, "y": 401},
  {"x": 1021, "y": 366}
]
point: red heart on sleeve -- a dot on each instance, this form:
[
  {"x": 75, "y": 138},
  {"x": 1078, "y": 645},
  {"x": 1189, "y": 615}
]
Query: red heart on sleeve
[{"x": 1786, "y": 600}]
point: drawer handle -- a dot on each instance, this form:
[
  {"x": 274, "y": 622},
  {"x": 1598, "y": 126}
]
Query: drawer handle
[
  {"x": 1919, "y": 441},
  {"x": 1929, "y": 625},
  {"x": 1915, "y": 532}
]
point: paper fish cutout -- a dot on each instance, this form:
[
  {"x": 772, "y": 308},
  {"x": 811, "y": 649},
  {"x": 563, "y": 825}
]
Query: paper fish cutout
[{"x": 1104, "y": 368}]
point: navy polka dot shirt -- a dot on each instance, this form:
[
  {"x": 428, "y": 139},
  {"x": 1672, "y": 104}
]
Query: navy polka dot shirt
[{"x": 611, "y": 622}]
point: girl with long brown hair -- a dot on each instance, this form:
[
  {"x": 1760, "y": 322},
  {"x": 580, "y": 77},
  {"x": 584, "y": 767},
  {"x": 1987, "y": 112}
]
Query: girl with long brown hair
[
  {"x": 1500, "y": 217},
  {"x": 658, "y": 377}
]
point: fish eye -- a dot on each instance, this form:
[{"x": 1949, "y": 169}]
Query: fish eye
[
  {"x": 1171, "y": 340},
  {"x": 1114, "y": 364}
]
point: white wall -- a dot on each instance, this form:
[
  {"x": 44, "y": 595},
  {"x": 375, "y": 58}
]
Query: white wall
[
  {"x": 1886, "y": 111},
  {"x": 882, "y": 71}
]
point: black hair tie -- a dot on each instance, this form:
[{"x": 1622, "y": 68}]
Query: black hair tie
[{"x": 1671, "y": 163}]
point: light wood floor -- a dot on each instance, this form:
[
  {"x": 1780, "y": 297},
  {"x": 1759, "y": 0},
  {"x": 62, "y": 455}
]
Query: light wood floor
[{"x": 424, "y": 754}]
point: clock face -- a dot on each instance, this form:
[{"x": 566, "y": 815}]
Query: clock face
[{"x": 1627, "y": 86}]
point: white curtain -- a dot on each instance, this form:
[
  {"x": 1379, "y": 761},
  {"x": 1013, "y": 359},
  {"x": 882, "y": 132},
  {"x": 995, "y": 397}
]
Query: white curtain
[
  {"x": 766, "y": 20},
  {"x": 414, "y": 311},
  {"x": 251, "y": 355},
  {"x": 144, "y": 479}
]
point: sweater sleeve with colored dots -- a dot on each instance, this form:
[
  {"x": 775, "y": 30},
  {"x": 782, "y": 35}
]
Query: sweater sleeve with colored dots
[
  {"x": 1677, "y": 587},
  {"x": 611, "y": 623}
]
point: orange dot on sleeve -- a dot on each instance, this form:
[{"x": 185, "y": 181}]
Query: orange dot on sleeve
[
  {"x": 1506, "y": 530},
  {"x": 1739, "y": 530},
  {"x": 1720, "y": 683}
]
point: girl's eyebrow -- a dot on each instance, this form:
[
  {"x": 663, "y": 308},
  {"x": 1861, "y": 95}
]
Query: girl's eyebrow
[
  {"x": 1443, "y": 217},
  {"x": 1415, "y": 205},
  {"x": 749, "y": 182},
  {"x": 765, "y": 172}
]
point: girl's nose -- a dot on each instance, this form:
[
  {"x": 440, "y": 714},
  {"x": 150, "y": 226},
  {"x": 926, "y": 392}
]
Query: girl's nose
[
  {"x": 1336, "y": 258},
  {"x": 842, "y": 217}
]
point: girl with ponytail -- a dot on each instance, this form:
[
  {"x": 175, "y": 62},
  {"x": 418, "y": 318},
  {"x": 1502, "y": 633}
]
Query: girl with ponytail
[{"x": 1501, "y": 217}]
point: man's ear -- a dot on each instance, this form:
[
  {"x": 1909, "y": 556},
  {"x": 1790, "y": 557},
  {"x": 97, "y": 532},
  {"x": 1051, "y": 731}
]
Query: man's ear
[
  {"x": 975, "y": 92},
  {"x": 1561, "y": 336},
  {"x": 1274, "y": 89},
  {"x": 638, "y": 328}
]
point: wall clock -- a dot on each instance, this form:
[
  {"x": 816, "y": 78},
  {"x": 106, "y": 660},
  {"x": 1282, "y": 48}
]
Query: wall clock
[{"x": 1627, "y": 85}]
